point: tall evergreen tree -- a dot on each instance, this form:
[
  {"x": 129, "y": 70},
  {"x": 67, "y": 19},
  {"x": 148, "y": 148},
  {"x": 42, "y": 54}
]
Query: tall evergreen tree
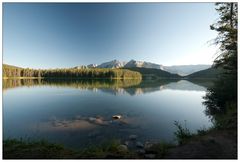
[
  {"x": 223, "y": 95},
  {"x": 226, "y": 26}
]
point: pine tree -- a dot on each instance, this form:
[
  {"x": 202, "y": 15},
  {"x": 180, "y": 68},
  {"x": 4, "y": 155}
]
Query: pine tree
[
  {"x": 226, "y": 26},
  {"x": 222, "y": 97}
]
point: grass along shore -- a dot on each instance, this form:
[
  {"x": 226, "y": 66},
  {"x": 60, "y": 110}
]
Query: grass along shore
[
  {"x": 213, "y": 144},
  {"x": 112, "y": 149}
]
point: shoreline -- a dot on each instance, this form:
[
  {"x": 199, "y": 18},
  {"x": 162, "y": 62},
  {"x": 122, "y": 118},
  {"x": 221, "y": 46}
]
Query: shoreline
[{"x": 214, "y": 144}]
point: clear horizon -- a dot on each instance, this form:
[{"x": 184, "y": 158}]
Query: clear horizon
[{"x": 56, "y": 35}]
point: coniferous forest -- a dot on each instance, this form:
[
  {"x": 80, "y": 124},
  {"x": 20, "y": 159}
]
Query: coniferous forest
[{"x": 13, "y": 72}]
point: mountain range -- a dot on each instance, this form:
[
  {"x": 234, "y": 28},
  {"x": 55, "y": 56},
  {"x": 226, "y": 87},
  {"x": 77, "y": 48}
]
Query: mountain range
[{"x": 181, "y": 70}]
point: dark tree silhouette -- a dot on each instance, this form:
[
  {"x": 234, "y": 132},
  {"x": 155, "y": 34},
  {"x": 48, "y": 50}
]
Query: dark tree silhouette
[{"x": 221, "y": 99}]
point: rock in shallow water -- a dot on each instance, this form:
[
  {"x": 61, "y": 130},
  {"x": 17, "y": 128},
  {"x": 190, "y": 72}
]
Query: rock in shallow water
[
  {"x": 122, "y": 148},
  {"x": 116, "y": 116}
]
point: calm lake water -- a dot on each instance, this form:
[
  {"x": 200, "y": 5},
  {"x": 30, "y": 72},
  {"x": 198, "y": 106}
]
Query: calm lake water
[{"x": 79, "y": 113}]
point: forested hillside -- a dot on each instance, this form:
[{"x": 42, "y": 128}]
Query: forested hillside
[
  {"x": 211, "y": 73},
  {"x": 154, "y": 73},
  {"x": 13, "y": 72}
]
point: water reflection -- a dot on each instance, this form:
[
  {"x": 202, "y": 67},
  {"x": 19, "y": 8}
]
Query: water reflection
[
  {"x": 184, "y": 85},
  {"x": 79, "y": 112},
  {"x": 114, "y": 87},
  {"x": 81, "y": 84}
]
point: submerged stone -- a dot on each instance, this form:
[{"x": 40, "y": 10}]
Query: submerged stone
[{"x": 122, "y": 148}]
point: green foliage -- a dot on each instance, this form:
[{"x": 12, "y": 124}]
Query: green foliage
[
  {"x": 223, "y": 91},
  {"x": 227, "y": 120},
  {"x": 108, "y": 149},
  {"x": 26, "y": 149},
  {"x": 226, "y": 26},
  {"x": 182, "y": 133},
  {"x": 20, "y": 149},
  {"x": 222, "y": 97},
  {"x": 42, "y": 149},
  {"x": 203, "y": 131},
  {"x": 12, "y": 71}
]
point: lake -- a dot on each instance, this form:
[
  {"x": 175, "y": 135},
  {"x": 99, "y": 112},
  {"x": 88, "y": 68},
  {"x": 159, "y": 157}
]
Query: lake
[{"x": 78, "y": 113}]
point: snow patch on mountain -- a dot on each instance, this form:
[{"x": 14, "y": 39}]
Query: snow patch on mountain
[
  {"x": 182, "y": 70},
  {"x": 142, "y": 64},
  {"x": 112, "y": 64}
]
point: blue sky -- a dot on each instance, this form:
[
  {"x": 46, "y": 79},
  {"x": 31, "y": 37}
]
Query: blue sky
[{"x": 51, "y": 35}]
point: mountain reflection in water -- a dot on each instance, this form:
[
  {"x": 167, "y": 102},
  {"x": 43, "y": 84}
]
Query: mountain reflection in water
[
  {"x": 114, "y": 87},
  {"x": 77, "y": 113}
]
